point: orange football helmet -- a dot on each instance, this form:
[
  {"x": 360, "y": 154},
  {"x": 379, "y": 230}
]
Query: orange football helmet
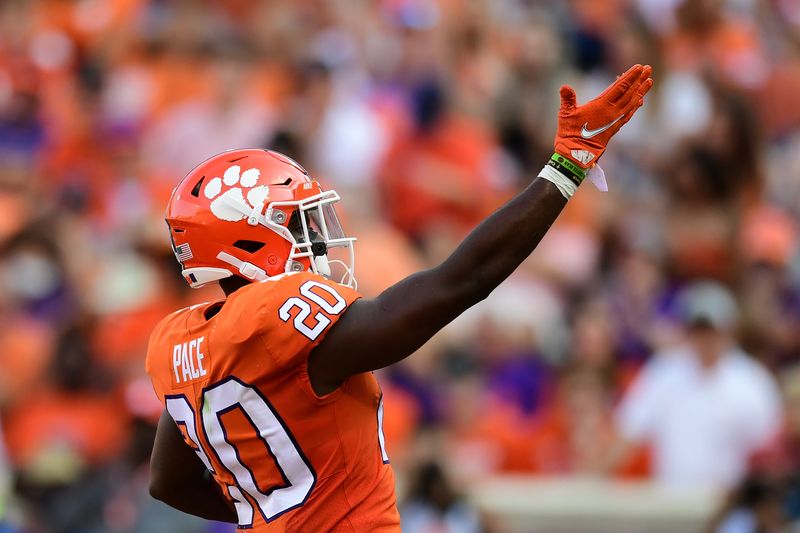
[{"x": 255, "y": 214}]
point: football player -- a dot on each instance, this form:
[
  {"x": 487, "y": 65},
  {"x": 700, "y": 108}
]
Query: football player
[{"x": 272, "y": 416}]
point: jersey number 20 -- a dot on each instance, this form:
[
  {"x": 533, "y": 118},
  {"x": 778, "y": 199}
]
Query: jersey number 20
[
  {"x": 230, "y": 394},
  {"x": 312, "y": 330}
]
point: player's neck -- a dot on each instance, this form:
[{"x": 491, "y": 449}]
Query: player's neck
[{"x": 232, "y": 284}]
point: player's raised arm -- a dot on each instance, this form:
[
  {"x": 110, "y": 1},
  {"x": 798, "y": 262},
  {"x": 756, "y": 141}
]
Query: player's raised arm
[{"x": 375, "y": 333}]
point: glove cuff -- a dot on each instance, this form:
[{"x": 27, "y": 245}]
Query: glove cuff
[
  {"x": 568, "y": 168},
  {"x": 566, "y": 186}
]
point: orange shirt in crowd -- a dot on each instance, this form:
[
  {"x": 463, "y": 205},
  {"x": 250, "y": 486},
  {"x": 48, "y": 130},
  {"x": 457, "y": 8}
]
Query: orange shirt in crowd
[
  {"x": 81, "y": 427},
  {"x": 444, "y": 172}
]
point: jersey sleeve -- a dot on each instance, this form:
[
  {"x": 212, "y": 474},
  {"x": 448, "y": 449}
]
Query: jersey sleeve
[{"x": 299, "y": 311}]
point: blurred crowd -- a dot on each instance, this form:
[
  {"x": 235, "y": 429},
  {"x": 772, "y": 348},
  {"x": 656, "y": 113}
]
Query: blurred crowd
[{"x": 677, "y": 293}]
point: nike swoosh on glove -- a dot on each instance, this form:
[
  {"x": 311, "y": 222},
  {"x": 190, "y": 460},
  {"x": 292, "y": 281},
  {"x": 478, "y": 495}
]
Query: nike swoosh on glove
[{"x": 584, "y": 130}]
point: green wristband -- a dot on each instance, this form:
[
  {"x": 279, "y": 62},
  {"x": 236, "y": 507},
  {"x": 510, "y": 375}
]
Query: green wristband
[{"x": 558, "y": 160}]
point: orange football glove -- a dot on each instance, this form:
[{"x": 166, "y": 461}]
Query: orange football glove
[{"x": 584, "y": 130}]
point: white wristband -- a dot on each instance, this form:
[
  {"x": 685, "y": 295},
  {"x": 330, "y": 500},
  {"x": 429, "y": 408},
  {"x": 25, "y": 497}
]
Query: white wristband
[{"x": 564, "y": 185}]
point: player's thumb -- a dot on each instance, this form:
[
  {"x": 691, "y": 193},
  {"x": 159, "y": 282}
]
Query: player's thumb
[{"x": 568, "y": 98}]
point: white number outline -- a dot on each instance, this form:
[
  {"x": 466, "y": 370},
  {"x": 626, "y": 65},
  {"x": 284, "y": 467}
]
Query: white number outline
[
  {"x": 312, "y": 333},
  {"x": 381, "y": 437},
  {"x": 182, "y": 413},
  {"x": 175, "y": 404},
  {"x": 299, "y": 319},
  {"x": 181, "y": 408},
  {"x": 268, "y": 495}
]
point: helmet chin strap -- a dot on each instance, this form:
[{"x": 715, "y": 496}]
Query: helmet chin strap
[
  {"x": 248, "y": 270},
  {"x": 251, "y": 271},
  {"x": 322, "y": 265}
]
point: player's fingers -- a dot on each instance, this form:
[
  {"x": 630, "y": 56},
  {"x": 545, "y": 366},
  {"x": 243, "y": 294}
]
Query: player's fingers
[
  {"x": 622, "y": 84},
  {"x": 646, "y": 86},
  {"x": 568, "y": 98},
  {"x": 626, "y": 117},
  {"x": 631, "y": 110},
  {"x": 646, "y": 80},
  {"x": 636, "y": 95},
  {"x": 629, "y": 114},
  {"x": 635, "y": 91},
  {"x": 620, "y": 79}
]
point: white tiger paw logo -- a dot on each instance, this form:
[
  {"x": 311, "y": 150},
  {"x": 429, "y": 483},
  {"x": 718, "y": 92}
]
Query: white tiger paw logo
[{"x": 235, "y": 180}]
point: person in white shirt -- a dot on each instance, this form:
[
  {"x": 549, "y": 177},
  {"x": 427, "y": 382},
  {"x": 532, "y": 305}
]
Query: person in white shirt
[
  {"x": 703, "y": 407},
  {"x": 5, "y": 480}
]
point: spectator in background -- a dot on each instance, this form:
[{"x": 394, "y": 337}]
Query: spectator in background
[
  {"x": 705, "y": 406},
  {"x": 768, "y": 499},
  {"x": 231, "y": 116},
  {"x": 576, "y": 434},
  {"x": 433, "y": 506},
  {"x": 5, "y": 479},
  {"x": 105, "y": 103}
]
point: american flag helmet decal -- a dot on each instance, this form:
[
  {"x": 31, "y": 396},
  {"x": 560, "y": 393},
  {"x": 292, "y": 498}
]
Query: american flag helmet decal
[{"x": 183, "y": 252}]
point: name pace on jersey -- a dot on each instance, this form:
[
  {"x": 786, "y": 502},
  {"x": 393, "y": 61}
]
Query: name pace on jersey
[{"x": 187, "y": 360}]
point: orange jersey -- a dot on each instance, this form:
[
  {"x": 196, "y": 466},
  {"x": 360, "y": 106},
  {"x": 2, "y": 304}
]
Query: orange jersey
[{"x": 237, "y": 387}]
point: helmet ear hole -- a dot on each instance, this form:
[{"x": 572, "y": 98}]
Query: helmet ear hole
[
  {"x": 249, "y": 246},
  {"x": 196, "y": 189}
]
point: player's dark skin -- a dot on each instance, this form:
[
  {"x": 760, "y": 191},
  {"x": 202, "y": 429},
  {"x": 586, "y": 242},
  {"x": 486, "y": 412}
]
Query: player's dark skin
[
  {"x": 377, "y": 332},
  {"x": 180, "y": 479}
]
